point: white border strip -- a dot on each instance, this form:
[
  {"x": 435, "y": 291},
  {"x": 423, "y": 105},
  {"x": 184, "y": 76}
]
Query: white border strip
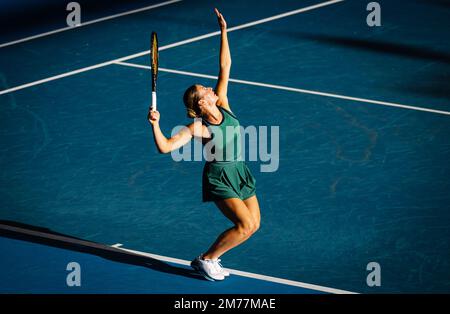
[
  {"x": 89, "y": 22},
  {"x": 247, "y": 274},
  {"x": 142, "y": 53},
  {"x": 291, "y": 89}
]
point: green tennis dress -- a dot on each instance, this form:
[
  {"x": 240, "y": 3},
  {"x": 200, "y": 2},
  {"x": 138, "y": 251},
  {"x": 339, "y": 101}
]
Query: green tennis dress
[{"x": 225, "y": 174}]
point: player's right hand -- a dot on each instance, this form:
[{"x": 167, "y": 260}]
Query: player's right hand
[
  {"x": 221, "y": 20},
  {"x": 153, "y": 117}
]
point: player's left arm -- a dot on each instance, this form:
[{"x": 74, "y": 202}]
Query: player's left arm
[{"x": 224, "y": 63}]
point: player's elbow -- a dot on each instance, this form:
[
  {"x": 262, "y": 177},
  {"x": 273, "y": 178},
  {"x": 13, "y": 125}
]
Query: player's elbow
[
  {"x": 226, "y": 64},
  {"x": 163, "y": 150}
]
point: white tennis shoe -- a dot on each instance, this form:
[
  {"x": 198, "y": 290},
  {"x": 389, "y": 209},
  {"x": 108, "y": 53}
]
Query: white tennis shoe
[
  {"x": 208, "y": 268},
  {"x": 224, "y": 272}
]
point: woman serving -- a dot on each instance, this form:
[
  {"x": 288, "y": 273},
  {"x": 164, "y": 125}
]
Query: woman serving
[{"x": 227, "y": 181}]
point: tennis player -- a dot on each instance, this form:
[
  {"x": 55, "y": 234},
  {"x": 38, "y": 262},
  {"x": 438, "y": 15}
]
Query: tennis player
[{"x": 227, "y": 181}]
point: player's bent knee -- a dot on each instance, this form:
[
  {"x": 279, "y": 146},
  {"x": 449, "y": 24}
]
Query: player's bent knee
[
  {"x": 256, "y": 226},
  {"x": 246, "y": 229}
]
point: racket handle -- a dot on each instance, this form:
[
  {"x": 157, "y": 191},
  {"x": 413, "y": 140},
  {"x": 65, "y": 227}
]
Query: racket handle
[{"x": 153, "y": 101}]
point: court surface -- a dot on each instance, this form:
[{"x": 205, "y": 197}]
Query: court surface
[{"x": 364, "y": 118}]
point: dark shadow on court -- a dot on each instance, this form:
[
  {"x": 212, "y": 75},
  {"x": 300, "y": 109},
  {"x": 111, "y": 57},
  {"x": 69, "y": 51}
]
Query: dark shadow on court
[
  {"x": 429, "y": 83},
  {"x": 404, "y": 50},
  {"x": 442, "y": 3},
  {"x": 35, "y": 234},
  {"x": 433, "y": 84},
  {"x": 20, "y": 19}
]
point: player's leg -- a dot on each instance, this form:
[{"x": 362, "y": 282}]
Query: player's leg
[
  {"x": 244, "y": 226},
  {"x": 253, "y": 206}
]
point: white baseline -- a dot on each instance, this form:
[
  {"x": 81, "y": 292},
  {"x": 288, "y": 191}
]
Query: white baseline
[{"x": 247, "y": 274}]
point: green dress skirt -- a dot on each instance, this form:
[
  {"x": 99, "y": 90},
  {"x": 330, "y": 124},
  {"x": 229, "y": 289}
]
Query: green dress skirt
[
  {"x": 227, "y": 176},
  {"x": 227, "y": 180}
]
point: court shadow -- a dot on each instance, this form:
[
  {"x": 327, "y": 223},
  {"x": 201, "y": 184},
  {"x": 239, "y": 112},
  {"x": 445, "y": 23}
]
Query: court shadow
[
  {"x": 432, "y": 84},
  {"x": 33, "y": 17},
  {"x": 378, "y": 46},
  {"x": 35, "y": 234},
  {"x": 429, "y": 83},
  {"x": 441, "y": 3}
]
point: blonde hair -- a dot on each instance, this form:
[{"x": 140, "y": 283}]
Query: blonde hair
[{"x": 190, "y": 99}]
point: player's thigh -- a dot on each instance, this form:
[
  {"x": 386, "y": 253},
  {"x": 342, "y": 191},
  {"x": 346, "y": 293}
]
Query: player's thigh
[
  {"x": 253, "y": 207},
  {"x": 236, "y": 210}
]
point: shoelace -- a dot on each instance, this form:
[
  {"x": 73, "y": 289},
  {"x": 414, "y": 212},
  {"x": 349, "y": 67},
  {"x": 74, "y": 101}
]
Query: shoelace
[
  {"x": 214, "y": 265},
  {"x": 218, "y": 263}
]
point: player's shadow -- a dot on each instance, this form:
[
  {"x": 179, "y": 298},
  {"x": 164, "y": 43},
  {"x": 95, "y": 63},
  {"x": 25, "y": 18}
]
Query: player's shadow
[{"x": 20, "y": 231}]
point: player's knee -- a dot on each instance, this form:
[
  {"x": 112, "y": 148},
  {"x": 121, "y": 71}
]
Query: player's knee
[
  {"x": 246, "y": 228},
  {"x": 256, "y": 226}
]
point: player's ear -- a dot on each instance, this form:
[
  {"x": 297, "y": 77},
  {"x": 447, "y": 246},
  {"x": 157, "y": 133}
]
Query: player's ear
[{"x": 202, "y": 102}]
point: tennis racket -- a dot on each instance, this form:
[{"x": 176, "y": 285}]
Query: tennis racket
[{"x": 154, "y": 62}]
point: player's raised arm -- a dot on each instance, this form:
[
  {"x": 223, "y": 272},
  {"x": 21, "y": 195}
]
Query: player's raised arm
[{"x": 224, "y": 63}]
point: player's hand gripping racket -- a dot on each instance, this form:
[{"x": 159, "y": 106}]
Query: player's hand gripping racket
[{"x": 154, "y": 60}]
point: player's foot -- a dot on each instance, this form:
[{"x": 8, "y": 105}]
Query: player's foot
[
  {"x": 208, "y": 268},
  {"x": 224, "y": 272}
]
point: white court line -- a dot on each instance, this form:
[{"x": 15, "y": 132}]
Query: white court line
[
  {"x": 291, "y": 89},
  {"x": 246, "y": 25},
  {"x": 88, "y": 23},
  {"x": 142, "y": 53},
  {"x": 56, "y": 77},
  {"x": 247, "y": 274}
]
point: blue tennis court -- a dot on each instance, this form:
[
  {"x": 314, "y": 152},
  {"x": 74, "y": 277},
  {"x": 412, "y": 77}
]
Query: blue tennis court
[{"x": 363, "y": 115}]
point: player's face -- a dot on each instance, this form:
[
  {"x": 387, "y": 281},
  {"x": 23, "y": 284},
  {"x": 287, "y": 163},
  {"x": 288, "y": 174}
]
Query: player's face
[{"x": 208, "y": 94}]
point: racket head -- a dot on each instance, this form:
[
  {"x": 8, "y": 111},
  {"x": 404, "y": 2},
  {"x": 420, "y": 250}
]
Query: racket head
[{"x": 154, "y": 59}]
